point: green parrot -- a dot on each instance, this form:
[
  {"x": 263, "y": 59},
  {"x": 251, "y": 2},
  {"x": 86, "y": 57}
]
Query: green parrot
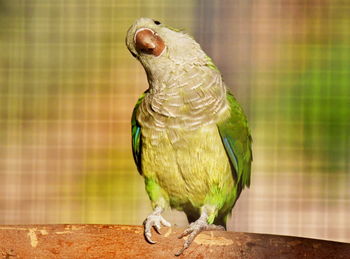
[{"x": 190, "y": 137}]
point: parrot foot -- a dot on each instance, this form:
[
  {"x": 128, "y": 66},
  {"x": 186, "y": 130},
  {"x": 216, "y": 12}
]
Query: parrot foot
[
  {"x": 194, "y": 229},
  {"x": 154, "y": 220}
]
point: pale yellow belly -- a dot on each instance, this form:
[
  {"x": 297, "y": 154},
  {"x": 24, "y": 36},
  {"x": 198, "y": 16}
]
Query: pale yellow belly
[{"x": 189, "y": 167}]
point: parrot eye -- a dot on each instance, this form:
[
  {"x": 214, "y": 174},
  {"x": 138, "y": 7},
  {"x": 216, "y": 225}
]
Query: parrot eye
[{"x": 157, "y": 22}]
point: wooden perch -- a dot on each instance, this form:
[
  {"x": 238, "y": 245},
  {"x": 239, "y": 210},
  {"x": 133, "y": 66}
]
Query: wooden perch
[{"x": 113, "y": 241}]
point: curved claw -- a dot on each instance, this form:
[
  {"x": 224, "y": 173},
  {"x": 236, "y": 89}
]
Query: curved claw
[
  {"x": 147, "y": 231},
  {"x": 180, "y": 251},
  {"x": 164, "y": 222},
  {"x": 154, "y": 220},
  {"x": 189, "y": 240},
  {"x": 148, "y": 238},
  {"x": 193, "y": 230},
  {"x": 157, "y": 227}
]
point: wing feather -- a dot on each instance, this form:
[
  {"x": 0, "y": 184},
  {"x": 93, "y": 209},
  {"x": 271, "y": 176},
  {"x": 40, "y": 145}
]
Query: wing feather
[
  {"x": 136, "y": 135},
  {"x": 237, "y": 140}
]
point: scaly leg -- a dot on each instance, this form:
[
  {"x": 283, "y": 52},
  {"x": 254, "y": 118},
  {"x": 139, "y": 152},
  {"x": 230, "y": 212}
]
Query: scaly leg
[
  {"x": 154, "y": 220},
  {"x": 195, "y": 228}
]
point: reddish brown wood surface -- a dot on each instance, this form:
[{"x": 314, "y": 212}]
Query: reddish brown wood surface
[{"x": 113, "y": 241}]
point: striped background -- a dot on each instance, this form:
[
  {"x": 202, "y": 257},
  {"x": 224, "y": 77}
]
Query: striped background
[{"x": 68, "y": 86}]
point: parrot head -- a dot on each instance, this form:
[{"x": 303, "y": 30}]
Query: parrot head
[{"x": 158, "y": 46}]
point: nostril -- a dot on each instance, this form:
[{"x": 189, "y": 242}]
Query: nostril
[{"x": 147, "y": 49}]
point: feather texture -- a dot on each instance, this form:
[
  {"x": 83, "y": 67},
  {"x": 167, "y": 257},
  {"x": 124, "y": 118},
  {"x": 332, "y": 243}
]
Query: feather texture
[
  {"x": 237, "y": 140},
  {"x": 190, "y": 137},
  {"x": 136, "y": 140}
]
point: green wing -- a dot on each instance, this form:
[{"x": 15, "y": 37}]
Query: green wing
[
  {"x": 136, "y": 135},
  {"x": 237, "y": 140}
]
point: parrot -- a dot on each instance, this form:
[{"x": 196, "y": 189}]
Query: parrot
[{"x": 190, "y": 138}]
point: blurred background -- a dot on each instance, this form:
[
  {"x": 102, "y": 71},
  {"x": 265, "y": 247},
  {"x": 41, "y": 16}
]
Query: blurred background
[{"x": 68, "y": 86}]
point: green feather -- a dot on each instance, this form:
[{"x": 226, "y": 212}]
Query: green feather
[
  {"x": 136, "y": 135},
  {"x": 174, "y": 29},
  {"x": 211, "y": 64},
  {"x": 237, "y": 141}
]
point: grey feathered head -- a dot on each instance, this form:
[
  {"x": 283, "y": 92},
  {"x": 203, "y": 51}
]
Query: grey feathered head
[{"x": 157, "y": 45}]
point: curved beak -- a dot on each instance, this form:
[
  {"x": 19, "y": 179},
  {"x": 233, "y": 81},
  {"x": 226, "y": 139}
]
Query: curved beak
[{"x": 147, "y": 41}]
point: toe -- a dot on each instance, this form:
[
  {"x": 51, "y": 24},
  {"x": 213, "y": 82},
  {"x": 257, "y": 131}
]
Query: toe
[
  {"x": 188, "y": 241},
  {"x": 148, "y": 225},
  {"x": 148, "y": 236},
  {"x": 153, "y": 221},
  {"x": 165, "y": 223},
  {"x": 186, "y": 232},
  {"x": 180, "y": 251},
  {"x": 157, "y": 227},
  {"x": 215, "y": 227}
]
